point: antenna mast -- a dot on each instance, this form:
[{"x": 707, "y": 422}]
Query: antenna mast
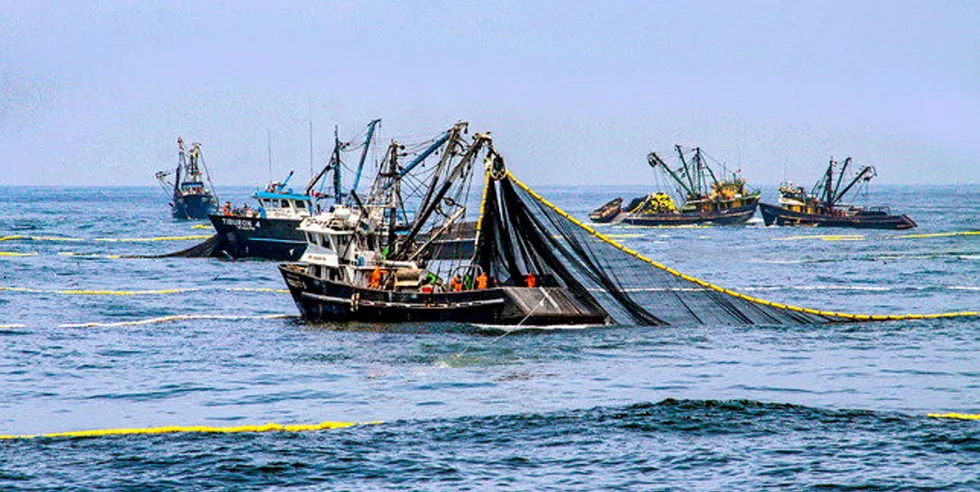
[
  {"x": 268, "y": 141},
  {"x": 311, "y": 134}
]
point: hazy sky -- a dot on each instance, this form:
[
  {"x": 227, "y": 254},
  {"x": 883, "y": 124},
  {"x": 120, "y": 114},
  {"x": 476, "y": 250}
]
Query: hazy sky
[{"x": 575, "y": 92}]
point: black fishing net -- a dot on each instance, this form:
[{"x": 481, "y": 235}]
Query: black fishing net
[{"x": 522, "y": 233}]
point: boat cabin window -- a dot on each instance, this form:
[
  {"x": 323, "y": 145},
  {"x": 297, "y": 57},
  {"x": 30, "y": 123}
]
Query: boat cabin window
[{"x": 342, "y": 242}]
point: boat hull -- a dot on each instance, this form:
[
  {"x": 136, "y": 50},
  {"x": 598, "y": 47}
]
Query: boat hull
[
  {"x": 193, "y": 206},
  {"x": 776, "y": 215},
  {"x": 324, "y": 301},
  {"x": 732, "y": 216},
  {"x": 608, "y": 212},
  {"x": 256, "y": 237}
]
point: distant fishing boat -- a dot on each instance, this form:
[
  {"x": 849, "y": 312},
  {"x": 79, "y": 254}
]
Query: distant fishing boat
[
  {"x": 822, "y": 207},
  {"x": 708, "y": 199},
  {"x": 190, "y": 197},
  {"x": 270, "y": 230}
]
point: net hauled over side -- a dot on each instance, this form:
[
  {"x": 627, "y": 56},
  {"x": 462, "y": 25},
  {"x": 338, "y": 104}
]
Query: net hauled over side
[{"x": 631, "y": 288}]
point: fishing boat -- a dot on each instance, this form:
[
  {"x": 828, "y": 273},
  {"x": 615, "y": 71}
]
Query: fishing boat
[
  {"x": 190, "y": 197},
  {"x": 822, "y": 207},
  {"x": 270, "y": 230},
  {"x": 357, "y": 268},
  {"x": 708, "y": 199}
]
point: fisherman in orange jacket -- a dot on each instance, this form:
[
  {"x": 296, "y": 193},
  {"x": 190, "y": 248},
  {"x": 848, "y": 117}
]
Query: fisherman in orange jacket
[
  {"x": 375, "y": 281},
  {"x": 456, "y": 285},
  {"x": 531, "y": 280}
]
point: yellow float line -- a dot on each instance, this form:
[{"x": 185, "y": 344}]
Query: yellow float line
[
  {"x": 828, "y": 237},
  {"x": 41, "y": 238},
  {"x": 12, "y": 253},
  {"x": 148, "y": 239},
  {"x": 702, "y": 283},
  {"x": 202, "y": 226},
  {"x": 197, "y": 429},
  {"x": 103, "y": 239},
  {"x": 939, "y": 234},
  {"x": 959, "y": 416},
  {"x": 89, "y": 292},
  {"x": 82, "y": 292},
  {"x": 14, "y": 325},
  {"x": 686, "y": 226},
  {"x": 257, "y": 289}
]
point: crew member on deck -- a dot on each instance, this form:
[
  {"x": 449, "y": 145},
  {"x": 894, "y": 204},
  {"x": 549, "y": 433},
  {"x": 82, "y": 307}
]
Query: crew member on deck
[
  {"x": 456, "y": 284},
  {"x": 482, "y": 281},
  {"x": 530, "y": 280},
  {"x": 374, "y": 281},
  {"x": 226, "y": 210}
]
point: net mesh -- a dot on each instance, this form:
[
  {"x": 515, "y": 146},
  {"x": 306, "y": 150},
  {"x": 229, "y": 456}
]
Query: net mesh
[{"x": 521, "y": 233}]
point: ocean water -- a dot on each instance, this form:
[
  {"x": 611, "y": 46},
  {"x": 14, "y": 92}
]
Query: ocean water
[{"x": 93, "y": 339}]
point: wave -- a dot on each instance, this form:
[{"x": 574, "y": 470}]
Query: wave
[
  {"x": 176, "y": 317},
  {"x": 683, "y": 444}
]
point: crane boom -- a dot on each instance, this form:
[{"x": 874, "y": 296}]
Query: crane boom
[
  {"x": 367, "y": 145},
  {"x": 654, "y": 160}
]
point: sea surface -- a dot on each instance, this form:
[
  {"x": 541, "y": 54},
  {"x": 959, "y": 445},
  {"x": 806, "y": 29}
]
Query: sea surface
[{"x": 94, "y": 339}]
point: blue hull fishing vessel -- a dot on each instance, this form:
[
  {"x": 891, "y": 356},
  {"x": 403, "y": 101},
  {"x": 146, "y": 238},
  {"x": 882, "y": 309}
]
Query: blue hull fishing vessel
[
  {"x": 190, "y": 198},
  {"x": 271, "y": 230}
]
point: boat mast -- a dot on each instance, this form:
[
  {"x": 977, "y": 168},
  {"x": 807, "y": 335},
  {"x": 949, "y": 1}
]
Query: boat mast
[
  {"x": 699, "y": 168},
  {"x": 338, "y": 192},
  {"x": 654, "y": 160},
  {"x": 367, "y": 145},
  {"x": 457, "y": 172},
  {"x": 840, "y": 180},
  {"x": 393, "y": 190},
  {"x": 447, "y": 154},
  {"x": 702, "y": 166},
  {"x": 181, "y": 162},
  {"x": 687, "y": 172},
  {"x": 865, "y": 174},
  {"x": 828, "y": 180},
  {"x": 421, "y": 157}
]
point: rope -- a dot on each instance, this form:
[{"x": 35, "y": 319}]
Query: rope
[
  {"x": 958, "y": 416},
  {"x": 196, "y": 429},
  {"x": 102, "y": 239},
  {"x": 97, "y": 292}
]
